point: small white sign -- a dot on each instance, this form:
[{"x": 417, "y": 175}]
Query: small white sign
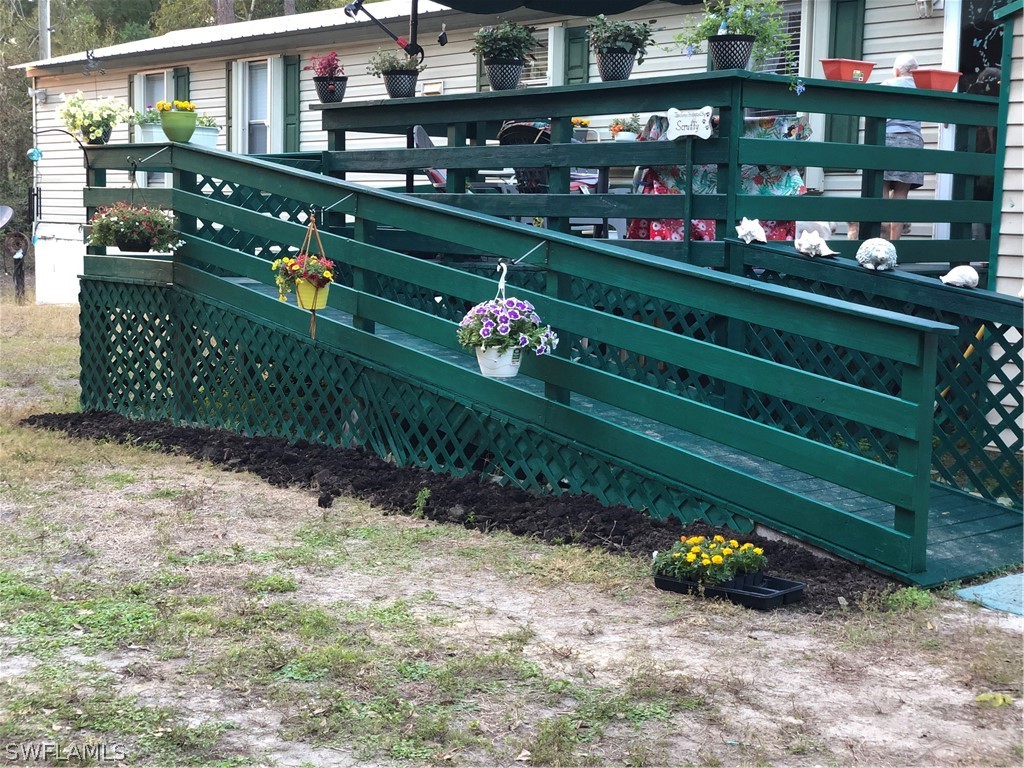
[{"x": 689, "y": 122}]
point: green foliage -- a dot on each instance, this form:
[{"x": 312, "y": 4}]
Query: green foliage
[
  {"x": 631, "y": 124},
  {"x": 507, "y": 40},
  {"x": 391, "y": 60},
  {"x": 710, "y": 561},
  {"x": 134, "y": 222},
  {"x": 762, "y": 19},
  {"x": 909, "y": 599},
  {"x": 273, "y": 582},
  {"x": 421, "y": 502},
  {"x": 630, "y": 36}
]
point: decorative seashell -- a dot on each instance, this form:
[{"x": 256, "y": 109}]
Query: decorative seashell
[
  {"x": 961, "y": 277},
  {"x": 877, "y": 253},
  {"x": 751, "y": 229},
  {"x": 812, "y": 244}
]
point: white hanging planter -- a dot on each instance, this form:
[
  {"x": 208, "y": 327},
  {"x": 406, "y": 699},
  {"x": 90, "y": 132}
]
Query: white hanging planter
[{"x": 499, "y": 365}]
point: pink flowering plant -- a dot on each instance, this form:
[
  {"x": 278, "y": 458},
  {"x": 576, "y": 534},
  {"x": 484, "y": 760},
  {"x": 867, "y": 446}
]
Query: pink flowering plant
[{"x": 506, "y": 323}]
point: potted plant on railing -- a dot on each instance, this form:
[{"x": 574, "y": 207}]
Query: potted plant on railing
[
  {"x": 735, "y": 29},
  {"x": 136, "y": 228},
  {"x": 206, "y": 132},
  {"x": 619, "y": 44},
  {"x": 147, "y": 125},
  {"x": 501, "y": 329},
  {"x": 94, "y": 119},
  {"x": 178, "y": 119},
  {"x": 328, "y": 77},
  {"x": 626, "y": 128},
  {"x": 503, "y": 50},
  {"x": 398, "y": 71}
]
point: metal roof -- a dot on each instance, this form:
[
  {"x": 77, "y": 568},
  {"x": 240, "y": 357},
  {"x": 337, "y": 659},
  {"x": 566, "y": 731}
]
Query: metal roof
[{"x": 318, "y": 21}]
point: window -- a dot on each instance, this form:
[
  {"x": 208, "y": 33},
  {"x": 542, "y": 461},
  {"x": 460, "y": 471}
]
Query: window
[
  {"x": 148, "y": 89},
  {"x": 536, "y": 70},
  {"x": 258, "y": 106},
  {"x": 791, "y": 11}
]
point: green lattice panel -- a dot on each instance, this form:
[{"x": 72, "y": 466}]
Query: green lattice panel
[
  {"x": 687, "y": 321},
  {"x": 979, "y": 401},
  {"x": 126, "y": 349},
  {"x": 247, "y": 376}
]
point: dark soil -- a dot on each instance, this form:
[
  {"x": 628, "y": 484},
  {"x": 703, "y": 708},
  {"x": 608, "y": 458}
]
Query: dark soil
[{"x": 470, "y": 501}]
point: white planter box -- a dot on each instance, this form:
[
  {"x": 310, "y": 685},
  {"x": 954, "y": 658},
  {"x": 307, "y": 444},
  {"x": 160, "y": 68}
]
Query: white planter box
[
  {"x": 149, "y": 132},
  {"x": 205, "y": 137}
]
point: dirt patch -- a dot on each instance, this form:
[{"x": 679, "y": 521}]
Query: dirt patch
[{"x": 472, "y": 501}]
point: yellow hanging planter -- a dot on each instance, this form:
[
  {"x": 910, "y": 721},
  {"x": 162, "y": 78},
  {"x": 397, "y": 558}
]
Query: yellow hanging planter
[{"x": 310, "y": 296}]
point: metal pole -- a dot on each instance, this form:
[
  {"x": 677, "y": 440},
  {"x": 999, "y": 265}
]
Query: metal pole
[{"x": 414, "y": 21}]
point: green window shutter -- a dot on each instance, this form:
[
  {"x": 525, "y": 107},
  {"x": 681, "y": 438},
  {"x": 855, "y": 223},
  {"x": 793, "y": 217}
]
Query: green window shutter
[
  {"x": 181, "y": 84},
  {"x": 845, "y": 41},
  {"x": 291, "y": 103},
  {"x": 577, "y": 56},
  {"x": 228, "y": 106}
]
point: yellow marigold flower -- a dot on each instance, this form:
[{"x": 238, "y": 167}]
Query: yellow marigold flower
[
  {"x": 705, "y": 561},
  {"x": 746, "y": 546},
  {"x": 758, "y": 551},
  {"x": 675, "y": 554},
  {"x": 727, "y": 551},
  {"x": 690, "y": 557},
  {"x": 328, "y": 275},
  {"x": 276, "y": 264},
  {"x": 720, "y": 538},
  {"x": 717, "y": 559},
  {"x": 733, "y": 543},
  {"x": 312, "y": 259},
  {"x": 695, "y": 549}
]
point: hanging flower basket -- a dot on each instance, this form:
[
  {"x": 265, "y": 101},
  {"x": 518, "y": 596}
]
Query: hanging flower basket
[
  {"x": 501, "y": 329},
  {"x": 309, "y": 274}
]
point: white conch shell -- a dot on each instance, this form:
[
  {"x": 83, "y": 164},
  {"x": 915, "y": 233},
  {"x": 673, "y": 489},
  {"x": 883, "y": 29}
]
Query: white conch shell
[
  {"x": 961, "y": 277},
  {"x": 751, "y": 229},
  {"x": 877, "y": 253},
  {"x": 812, "y": 244}
]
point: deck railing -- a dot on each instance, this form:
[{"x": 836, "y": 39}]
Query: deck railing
[
  {"x": 648, "y": 376},
  {"x": 470, "y": 123}
]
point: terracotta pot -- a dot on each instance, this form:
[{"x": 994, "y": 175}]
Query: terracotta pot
[
  {"x": 849, "y": 70},
  {"x": 936, "y": 79}
]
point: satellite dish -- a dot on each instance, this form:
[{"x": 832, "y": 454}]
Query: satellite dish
[{"x": 6, "y": 212}]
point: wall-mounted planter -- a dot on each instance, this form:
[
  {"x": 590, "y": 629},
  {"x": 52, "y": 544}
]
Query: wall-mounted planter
[
  {"x": 936, "y": 79},
  {"x": 205, "y": 136},
  {"x": 849, "y": 70}
]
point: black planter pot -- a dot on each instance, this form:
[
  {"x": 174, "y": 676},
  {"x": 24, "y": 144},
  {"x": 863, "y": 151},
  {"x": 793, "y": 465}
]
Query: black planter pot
[
  {"x": 330, "y": 89},
  {"x": 770, "y": 594},
  {"x": 401, "y": 84},
  {"x": 504, "y": 74},
  {"x": 133, "y": 245},
  {"x": 730, "y": 51},
  {"x": 103, "y": 139},
  {"x": 615, "y": 64}
]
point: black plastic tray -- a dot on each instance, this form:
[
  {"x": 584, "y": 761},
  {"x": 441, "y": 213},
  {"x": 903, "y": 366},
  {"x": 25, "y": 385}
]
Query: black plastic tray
[{"x": 772, "y": 593}]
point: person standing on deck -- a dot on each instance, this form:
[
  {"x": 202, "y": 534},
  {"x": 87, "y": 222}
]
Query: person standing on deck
[{"x": 905, "y": 134}]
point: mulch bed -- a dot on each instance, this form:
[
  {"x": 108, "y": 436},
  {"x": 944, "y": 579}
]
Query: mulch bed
[{"x": 469, "y": 501}]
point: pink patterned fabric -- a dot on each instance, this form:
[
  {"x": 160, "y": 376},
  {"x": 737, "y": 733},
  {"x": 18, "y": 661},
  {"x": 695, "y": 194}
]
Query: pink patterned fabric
[{"x": 755, "y": 180}]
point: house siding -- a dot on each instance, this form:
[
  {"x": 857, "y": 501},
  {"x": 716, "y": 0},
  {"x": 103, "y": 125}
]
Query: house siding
[{"x": 1010, "y": 266}]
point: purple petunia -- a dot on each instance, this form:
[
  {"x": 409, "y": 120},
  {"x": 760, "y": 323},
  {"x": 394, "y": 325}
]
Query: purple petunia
[
  {"x": 524, "y": 340},
  {"x": 504, "y": 328},
  {"x": 485, "y": 333}
]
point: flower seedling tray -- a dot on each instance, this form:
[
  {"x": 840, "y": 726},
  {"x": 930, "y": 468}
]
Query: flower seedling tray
[{"x": 772, "y": 593}]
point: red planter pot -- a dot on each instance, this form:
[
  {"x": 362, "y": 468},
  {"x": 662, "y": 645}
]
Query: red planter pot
[
  {"x": 936, "y": 79},
  {"x": 850, "y": 70}
]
